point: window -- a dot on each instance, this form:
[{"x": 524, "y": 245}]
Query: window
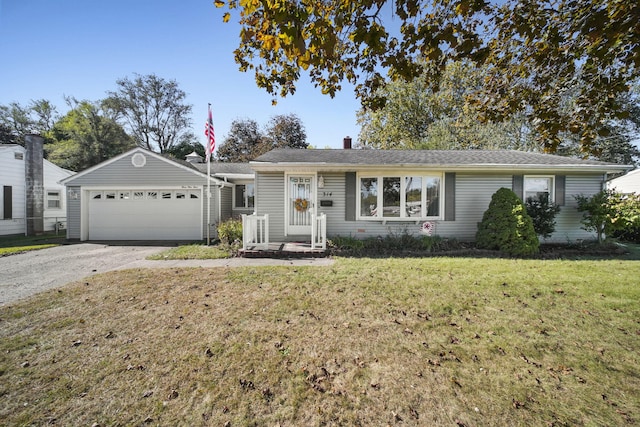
[
  {"x": 96, "y": 195},
  {"x": 53, "y": 200},
  {"x": 536, "y": 186},
  {"x": 152, "y": 195},
  {"x": 124, "y": 195},
  {"x": 109, "y": 195},
  {"x": 181, "y": 195},
  {"x": 409, "y": 196},
  {"x": 245, "y": 196},
  {"x": 166, "y": 194}
]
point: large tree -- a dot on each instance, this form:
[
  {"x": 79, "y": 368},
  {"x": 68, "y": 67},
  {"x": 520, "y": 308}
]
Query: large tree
[
  {"x": 152, "y": 110},
  {"x": 246, "y": 141},
  {"x": 534, "y": 50},
  {"x": 37, "y": 117},
  {"x": 86, "y": 136},
  {"x": 286, "y": 130},
  {"x": 417, "y": 116}
]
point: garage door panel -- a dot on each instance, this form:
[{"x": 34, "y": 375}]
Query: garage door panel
[{"x": 146, "y": 219}]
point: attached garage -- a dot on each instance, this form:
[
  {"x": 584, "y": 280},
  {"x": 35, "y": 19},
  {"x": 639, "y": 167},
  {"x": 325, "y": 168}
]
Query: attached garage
[
  {"x": 156, "y": 214},
  {"x": 142, "y": 195}
]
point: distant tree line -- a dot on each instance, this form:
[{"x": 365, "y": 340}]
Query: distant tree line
[{"x": 146, "y": 111}]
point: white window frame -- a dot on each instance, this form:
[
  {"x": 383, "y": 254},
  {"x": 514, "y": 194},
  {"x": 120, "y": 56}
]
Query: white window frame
[
  {"x": 552, "y": 184},
  {"x": 234, "y": 201},
  {"x": 403, "y": 193},
  {"x": 58, "y": 199}
]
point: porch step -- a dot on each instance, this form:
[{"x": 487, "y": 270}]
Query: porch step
[{"x": 284, "y": 250}]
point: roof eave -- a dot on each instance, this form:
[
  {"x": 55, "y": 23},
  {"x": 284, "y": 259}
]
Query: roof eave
[{"x": 323, "y": 166}]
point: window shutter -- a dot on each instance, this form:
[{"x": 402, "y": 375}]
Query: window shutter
[
  {"x": 7, "y": 202},
  {"x": 560, "y": 189},
  {"x": 450, "y": 196},
  {"x": 350, "y": 191},
  {"x": 517, "y": 185}
]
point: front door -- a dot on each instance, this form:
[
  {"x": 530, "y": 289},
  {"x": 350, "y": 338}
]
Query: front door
[{"x": 300, "y": 204}]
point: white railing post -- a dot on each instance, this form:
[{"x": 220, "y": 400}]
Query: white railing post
[
  {"x": 255, "y": 231},
  {"x": 319, "y": 231}
]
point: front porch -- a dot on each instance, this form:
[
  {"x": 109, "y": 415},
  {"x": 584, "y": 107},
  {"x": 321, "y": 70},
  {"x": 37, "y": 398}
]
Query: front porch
[
  {"x": 256, "y": 242},
  {"x": 283, "y": 250}
]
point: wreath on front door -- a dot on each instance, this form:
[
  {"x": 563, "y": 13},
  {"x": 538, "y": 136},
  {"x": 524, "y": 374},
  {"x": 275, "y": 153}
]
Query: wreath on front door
[{"x": 301, "y": 205}]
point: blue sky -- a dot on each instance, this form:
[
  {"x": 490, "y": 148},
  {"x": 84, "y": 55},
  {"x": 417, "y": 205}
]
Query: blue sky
[{"x": 79, "y": 48}]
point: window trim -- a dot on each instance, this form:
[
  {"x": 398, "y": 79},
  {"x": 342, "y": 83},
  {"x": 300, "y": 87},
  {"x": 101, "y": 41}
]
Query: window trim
[
  {"x": 59, "y": 199},
  {"x": 234, "y": 198},
  {"x": 403, "y": 180},
  {"x": 552, "y": 186}
]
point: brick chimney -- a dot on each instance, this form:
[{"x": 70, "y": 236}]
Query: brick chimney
[
  {"x": 34, "y": 175},
  {"x": 347, "y": 143}
]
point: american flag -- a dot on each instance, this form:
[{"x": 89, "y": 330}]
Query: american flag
[{"x": 211, "y": 138}]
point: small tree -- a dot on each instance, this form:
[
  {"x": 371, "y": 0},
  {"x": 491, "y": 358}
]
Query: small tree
[
  {"x": 609, "y": 212},
  {"x": 507, "y": 227},
  {"x": 543, "y": 214},
  {"x": 597, "y": 212}
]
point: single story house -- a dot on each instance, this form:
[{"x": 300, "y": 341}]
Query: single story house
[
  {"x": 13, "y": 195},
  {"x": 368, "y": 193},
  {"x": 142, "y": 195},
  {"x": 627, "y": 184}
]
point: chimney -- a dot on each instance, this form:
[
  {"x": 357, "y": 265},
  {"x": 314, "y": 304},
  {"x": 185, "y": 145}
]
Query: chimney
[
  {"x": 347, "y": 143},
  {"x": 35, "y": 184}
]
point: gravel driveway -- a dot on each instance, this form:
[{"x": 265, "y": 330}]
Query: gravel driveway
[{"x": 25, "y": 274}]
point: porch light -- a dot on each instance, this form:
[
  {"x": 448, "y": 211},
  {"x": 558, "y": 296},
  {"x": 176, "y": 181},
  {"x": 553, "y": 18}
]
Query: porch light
[{"x": 321, "y": 181}]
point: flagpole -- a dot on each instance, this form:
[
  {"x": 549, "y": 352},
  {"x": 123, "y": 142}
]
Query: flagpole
[
  {"x": 209, "y": 189},
  {"x": 209, "y": 201}
]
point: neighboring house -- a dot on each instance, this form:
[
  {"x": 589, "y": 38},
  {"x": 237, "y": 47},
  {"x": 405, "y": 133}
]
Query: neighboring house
[
  {"x": 13, "y": 181},
  {"x": 142, "y": 195},
  {"x": 629, "y": 183},
  {"x": 364, "y": 193}
]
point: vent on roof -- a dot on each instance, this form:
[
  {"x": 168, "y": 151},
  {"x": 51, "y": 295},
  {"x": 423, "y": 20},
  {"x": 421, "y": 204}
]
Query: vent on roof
[{"x": 18, "y": 155}]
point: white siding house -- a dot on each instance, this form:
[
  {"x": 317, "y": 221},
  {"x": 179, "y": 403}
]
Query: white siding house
[
  {"x": 13, "y": 192},
  {"x": 629, "y": 183}
]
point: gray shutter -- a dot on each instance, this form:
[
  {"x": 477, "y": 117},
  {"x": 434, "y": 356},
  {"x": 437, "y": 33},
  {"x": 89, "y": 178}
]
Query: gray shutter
[
  {"x": 8, "y": 202},
  {"x": 559, "y": 190},
  {"x": 517, "y": 185},
  {"x": 450, "y": 196},
  {"x": 350, "y": 190}
]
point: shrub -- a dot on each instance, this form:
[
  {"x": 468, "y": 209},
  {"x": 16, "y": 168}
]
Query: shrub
[
  {"x": 507, "y": 227},
  {"x": 610, "y": 213},
  {"x": 230, "y": 231},
  {"x": 543, "y": 214}
]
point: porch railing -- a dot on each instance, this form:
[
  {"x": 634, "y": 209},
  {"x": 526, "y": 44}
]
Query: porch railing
[
  {"x": 319, "y": 231},
  {"x": 255, "y": 231}
]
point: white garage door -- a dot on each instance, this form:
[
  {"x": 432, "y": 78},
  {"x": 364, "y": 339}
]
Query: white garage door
[{"x": 145, "y": 215}]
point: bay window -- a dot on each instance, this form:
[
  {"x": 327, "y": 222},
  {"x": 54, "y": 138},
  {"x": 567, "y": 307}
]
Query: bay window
[{"x": 400, "y": 196}]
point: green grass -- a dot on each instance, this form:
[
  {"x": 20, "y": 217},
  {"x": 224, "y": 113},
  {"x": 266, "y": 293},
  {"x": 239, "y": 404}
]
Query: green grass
[
  {"x": 10, "y": 245},
  {"x": 437, "y": 341},
  {"x": 193, "y": 251}
]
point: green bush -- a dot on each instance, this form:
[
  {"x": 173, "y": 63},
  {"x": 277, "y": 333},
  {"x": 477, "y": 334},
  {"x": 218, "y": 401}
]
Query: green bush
[
  {"x": 543, "y": 214},
  {"x": 610, "y": 213},
  {"x": 507, "y": 227},
  {"x": 230, "y": 231}
]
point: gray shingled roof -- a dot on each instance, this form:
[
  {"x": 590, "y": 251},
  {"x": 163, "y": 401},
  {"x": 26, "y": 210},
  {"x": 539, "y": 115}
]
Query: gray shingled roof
[
  {"x": 421, "y": 157},
  {"x": 225, "y": 168}
]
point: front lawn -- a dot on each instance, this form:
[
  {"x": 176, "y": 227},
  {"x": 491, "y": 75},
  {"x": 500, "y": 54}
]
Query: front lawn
[
  {"x": 10, "y": 245},
  {"x": 435, "y": 341}
]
